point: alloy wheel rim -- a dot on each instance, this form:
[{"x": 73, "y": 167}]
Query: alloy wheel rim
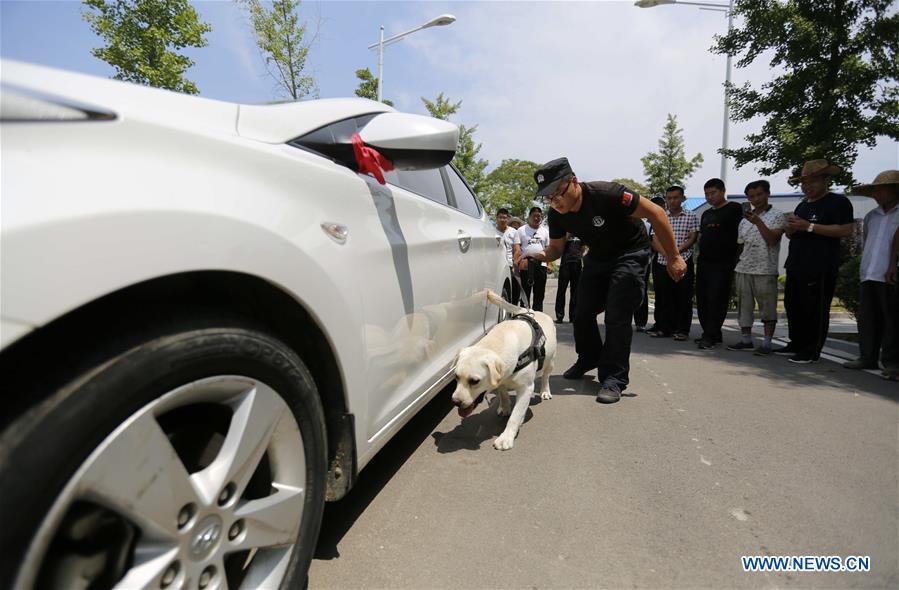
[{"x": 234, "y": 515}]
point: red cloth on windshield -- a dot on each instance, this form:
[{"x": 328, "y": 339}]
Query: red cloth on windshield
[{"x": 369, "y": 160}]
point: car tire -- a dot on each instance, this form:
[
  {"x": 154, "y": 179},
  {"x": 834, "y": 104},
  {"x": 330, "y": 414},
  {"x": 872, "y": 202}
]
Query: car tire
[{"x": 193, "y": 459}]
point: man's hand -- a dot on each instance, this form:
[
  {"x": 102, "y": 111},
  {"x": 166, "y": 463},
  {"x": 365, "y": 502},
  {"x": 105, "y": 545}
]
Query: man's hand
[
  {"x": 752, "y": 218},
  {"x": 892, "y": 275},
  {"x": 796, "y": 224},
  {"x": 677, "y": 268},
  {"x": 523, "y": 263}
]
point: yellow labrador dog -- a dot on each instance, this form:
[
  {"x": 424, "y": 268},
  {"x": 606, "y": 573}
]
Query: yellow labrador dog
[{"x": 493, "y": 365}]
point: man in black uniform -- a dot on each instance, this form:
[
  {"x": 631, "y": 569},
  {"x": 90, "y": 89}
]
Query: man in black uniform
[
  {"x": 606, "y": 216},
  {"x": 717, "y": 259}
]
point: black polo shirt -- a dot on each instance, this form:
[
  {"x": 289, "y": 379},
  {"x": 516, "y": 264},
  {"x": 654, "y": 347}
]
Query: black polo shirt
[
  {"x": 813, "y": 252},
  {"x": 604, "y": 221},
  {"x": 718, "y": 233}
]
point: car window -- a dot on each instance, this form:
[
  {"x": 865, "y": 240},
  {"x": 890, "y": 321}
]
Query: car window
[
  {"x": 465, "y": 199},
  {"x": 427, "y": 183}
]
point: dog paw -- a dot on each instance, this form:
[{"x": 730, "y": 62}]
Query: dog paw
[
  {"x": 502, "y": 410},
  {"x": 503, "y": 442},
  {"x": 546, "y": 395}
]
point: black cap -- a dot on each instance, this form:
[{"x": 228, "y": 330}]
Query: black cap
[{"x": 549, "y": 176}]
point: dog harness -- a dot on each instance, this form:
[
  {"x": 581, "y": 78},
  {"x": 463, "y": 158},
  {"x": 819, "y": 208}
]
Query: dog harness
[{"x": 537, "y": 350}]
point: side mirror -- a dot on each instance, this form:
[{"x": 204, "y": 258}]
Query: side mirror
[{"x": 412, "y": 142}]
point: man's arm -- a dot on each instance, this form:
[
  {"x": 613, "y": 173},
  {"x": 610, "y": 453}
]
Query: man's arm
[
  {"x": 662, "y": 230},
  {"x": 516, "y": 253},
  {"x": 840, "y": 230},
  {"x": 891, "y": 275},
  {"x": 688, "y": 243},
  {"x": 553, "y": 251},
  {"x": 771, "y": 236}
]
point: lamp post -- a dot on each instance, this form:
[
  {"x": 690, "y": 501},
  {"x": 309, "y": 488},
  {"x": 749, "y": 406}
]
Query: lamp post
[
  {"x": 715, "y": 7},
  {"x": 440, "y": 21}
]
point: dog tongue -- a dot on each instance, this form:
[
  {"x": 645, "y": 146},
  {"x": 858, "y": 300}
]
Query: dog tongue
[{"x": 466, "y": 412}]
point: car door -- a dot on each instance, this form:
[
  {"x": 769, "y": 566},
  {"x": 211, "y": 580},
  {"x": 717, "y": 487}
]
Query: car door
[
  {"x": 486, "y": 265},
  {"x": 420, "y": 309}
]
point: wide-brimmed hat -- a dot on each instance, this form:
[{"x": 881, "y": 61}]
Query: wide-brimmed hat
[
  {"x": 817, "y": 168},
  {"x": 884, "y": 178}
]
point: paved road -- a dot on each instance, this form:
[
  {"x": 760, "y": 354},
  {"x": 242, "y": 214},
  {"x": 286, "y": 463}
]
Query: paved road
[{"x": 710, "y": 456}]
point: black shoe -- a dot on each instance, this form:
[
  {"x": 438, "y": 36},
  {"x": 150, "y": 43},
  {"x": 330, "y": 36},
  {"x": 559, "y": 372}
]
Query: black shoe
[
  {"x": 609, "y": 394},
  {"x": 706, "y": 344},
  {"x": 741, "y": 346},
  {"x": 560, "y": 321},
  {"x": 698, "y": 340},
  {"x": 577, "y": 370},
  {"x": 658, "y": 334},
  {"x": 788, "y": 349},
  {"x": 640, "y": 328},
  {"x": 802, "y": 359}
]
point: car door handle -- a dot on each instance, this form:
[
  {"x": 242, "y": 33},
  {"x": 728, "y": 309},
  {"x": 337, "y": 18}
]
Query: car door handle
[{"x": 464, "y": 241}]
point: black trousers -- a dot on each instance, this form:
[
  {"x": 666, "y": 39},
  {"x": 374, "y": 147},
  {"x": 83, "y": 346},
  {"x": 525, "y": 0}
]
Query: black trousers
[
  {"x": 534, "y": 282},
  {"x": 713, "y": 281},
  {"x": 807, "y": 298},
  {"x": 516, "y": 290},
  {"x": 641, "y": 315},
  {"x": 569, "y": 272},
  {"x": 674, "y": 300},
  {"x": 613, "y": 287},
  {"x": 878, "y": 324}
]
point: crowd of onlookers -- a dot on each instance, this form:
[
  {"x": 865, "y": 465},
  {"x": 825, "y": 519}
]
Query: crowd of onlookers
[{"x": 734, "y": 247}]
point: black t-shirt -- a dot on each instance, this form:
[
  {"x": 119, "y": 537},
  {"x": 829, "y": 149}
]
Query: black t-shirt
[
  {"x": 718, "y": 233},
  {"x": 604, "y": 221},
  {"x": 816, "y": 253}
]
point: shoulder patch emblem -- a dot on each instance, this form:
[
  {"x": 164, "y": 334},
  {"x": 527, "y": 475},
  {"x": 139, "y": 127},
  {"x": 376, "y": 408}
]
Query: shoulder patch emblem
[
  {"x": 626, "y": 199},
  {"x": 598, "y": 221},
  {"x": 539, "y": 178}
]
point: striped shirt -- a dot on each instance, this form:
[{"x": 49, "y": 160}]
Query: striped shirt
[{"x": 682, "y": 225}]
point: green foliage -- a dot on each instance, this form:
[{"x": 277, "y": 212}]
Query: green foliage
[
  {"x": 510, "y": 185},
  {"x": 441, "y": 107},
  {"x": 368, "y": 86},
  {"x": 630, "y": 183},
  {"x": 141, "y": 36},
  {"x": 467, "y": 161},
  {"x": 848, "y": 289},
  {"x": 838, "y": 90},
  {"x": 669, "y": 165},
  {"x": 279, "y": 36}
]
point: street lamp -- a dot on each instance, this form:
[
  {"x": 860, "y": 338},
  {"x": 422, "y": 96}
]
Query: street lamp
[
  {"x": 440, "y": 21},
  {"x": 729, "y": 10}
]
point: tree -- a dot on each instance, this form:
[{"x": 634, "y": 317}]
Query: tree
[
  {"x": 466, "y": 160},
  {"x": 141, "y": 38},
  {"x": 511, "y": 185},
  {"x": 838, "y": 90},
  {"x": 368, "y": 86},
  {"x": 669, "y": 165},
  {"x": 642, "y": 189},
  {"x": 279, "y": 36}
]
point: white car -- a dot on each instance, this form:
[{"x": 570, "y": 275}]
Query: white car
[{"x": 211, "y": 322}]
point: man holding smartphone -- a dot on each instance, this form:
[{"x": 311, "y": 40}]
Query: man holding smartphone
[{"x": 755, "y": 275}]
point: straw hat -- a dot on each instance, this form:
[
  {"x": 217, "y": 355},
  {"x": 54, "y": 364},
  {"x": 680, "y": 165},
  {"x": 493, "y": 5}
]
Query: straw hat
[
  {"x": 817, "y": 168},
  {"x": 884, "y": 178}
]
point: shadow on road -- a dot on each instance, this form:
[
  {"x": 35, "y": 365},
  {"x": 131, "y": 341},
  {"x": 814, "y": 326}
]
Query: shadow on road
[
  {"x": 339, "y": 516},
  {"x": 470, "y": 433}
]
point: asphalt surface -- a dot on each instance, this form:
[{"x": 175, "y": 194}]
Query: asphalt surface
[{"x": 711, "y": 455}]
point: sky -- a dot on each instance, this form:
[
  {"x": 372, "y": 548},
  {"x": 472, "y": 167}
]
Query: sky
[{"x": 593, "y": 81}]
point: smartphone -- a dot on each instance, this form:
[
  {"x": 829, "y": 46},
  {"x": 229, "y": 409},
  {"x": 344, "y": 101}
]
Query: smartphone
[{"x": 747, "y": 207}]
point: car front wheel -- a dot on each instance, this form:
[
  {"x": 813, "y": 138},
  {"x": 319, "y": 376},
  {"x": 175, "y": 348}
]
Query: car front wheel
[{"x": 195, "y": 460}]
